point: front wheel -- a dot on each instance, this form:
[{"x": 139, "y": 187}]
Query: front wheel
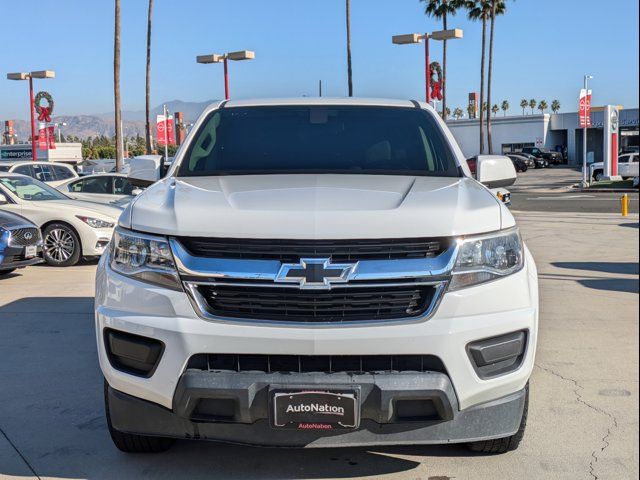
[
  {"x": 61, "y": 245},
  {"x": 132, "y": 443},
  {"x": 505, "y": 444},
  {"x": 598, "y": 175}
]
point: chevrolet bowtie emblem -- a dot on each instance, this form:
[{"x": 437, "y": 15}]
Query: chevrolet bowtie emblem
[{"x": 315, "y": 273}]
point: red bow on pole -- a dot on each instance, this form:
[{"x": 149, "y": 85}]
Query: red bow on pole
[
  {"x": 44, "y": 114},
  {"x": 436, "y": 92}
]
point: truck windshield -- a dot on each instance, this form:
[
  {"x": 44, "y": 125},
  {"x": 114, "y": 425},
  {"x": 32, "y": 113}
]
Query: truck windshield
[{"x": 319, "y": 139}]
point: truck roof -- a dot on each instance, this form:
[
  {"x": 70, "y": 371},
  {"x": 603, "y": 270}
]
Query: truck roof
[{"x": 379, "y": 102}]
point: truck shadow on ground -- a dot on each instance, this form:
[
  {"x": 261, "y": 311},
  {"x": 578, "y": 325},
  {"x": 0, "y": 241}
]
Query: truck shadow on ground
[
  {"x": 51, "y": 413},
  {"x": 617, "y": 284}
]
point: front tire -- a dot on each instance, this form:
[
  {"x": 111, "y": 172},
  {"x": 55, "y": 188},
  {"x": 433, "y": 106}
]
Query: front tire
[
  {"x": 61, "y": 245},
  {"x": 505, "y": 444},
  {"x": 132, "y": 443}
]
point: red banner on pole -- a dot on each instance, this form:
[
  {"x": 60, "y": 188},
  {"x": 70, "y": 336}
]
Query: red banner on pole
[
  {"x": 161, "y": 134},
  {"x": 51, "y": 137},
  {"x": 585, "y": 108},
  {"x": 42, "y": 138}
]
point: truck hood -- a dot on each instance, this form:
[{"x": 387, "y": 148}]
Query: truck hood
[{"x": 308, "y": 206}]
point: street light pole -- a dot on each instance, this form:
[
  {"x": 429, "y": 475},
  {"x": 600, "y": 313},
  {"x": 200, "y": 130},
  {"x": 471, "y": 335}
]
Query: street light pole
[
  {"x": 417, "y": 38},
  {"x": 585, "y": 176},
  {"x": 226, "y": 78},
  {"x": 30, "y": 76},
  {"x": 427, "y": 76},
  {"x": 224, "y": 58}
]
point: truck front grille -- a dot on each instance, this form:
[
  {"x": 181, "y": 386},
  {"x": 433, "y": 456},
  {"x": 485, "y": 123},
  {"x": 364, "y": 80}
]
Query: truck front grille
[
  {"x": 315, "y": 363},
  {"x": 355, "y": 303},
  {"x": 294, "y": 250}
]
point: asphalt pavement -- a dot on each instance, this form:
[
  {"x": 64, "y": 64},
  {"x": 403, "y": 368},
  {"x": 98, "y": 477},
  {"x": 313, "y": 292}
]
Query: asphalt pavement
[
  {"x": 549, "y": 190},
  {"x": 583, "y": 420}
]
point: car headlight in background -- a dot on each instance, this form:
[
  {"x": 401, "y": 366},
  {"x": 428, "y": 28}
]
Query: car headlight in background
[
  {"x": 484, "y": 258},
  {"x": 145, "y": 257},
  {"x": 95, "y": 222}
]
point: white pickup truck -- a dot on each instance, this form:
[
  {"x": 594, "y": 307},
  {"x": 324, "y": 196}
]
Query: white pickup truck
[
  {"x": 627, "y": 167},
  {"x": 318, "y": 272}
]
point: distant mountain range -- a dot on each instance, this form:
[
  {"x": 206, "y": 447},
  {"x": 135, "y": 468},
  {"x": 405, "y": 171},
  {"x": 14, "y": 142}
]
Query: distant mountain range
[{"x": 84, "y": 126}]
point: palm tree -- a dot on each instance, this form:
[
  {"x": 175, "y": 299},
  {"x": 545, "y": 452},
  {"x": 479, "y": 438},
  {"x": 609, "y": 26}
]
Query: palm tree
[
  {"x": 505, "y": 107},
  {"x": 441, "y": 9},
  {"x": 457, "y": 113},
  {"x": 147, "y": 96},
  {"x": 555, "y": 106},
  {"x": 542, "y": 106},
  {"x": 524, "y": 103},
  {"x": 116, "y": 87},
  {"x": 349, "y": 72},
  {"x": 479, "y": 10},
  {"x": 485, "y": 107},
  {"x": 447, "y": 112},
  {"x": 471, "y": 110},
  {"x": 532, "y": 104},
  {"x": 495, "y": 109},
  {"x": 497, "y": 8}
]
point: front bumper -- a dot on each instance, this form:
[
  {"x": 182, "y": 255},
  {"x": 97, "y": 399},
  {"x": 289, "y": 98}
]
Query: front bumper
[
  {"x": 14, "y": 257},
  {"x": 465, "y": 316},
  {"x": 379, "y": 395},
  {"x": 94, "y": 240}
]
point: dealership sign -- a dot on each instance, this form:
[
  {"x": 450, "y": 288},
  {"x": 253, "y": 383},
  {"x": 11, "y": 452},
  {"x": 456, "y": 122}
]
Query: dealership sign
[
  {"x": 585, "y": 108},
  {"x": 15, "y": 154}
]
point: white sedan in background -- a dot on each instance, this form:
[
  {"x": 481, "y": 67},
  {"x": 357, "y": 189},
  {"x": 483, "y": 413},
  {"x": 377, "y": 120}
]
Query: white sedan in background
[
  {"x": 102, "y": 188},
  {"x": 49, "y": 172},
  {"x": 71, "y": 229}
]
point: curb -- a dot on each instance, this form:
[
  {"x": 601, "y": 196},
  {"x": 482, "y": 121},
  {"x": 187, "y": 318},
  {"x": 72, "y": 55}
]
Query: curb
[{"x": 605, "y": 190}]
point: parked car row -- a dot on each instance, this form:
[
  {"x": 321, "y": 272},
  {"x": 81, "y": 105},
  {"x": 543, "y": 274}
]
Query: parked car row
[{"x": 70, "y": 229}]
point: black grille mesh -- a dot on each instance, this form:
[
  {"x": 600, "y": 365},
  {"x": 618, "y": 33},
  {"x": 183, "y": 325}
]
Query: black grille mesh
[
  {"x": 293, "y": 250},
  {"x": 316, "y": 363},
  {"x": 367, "y": 303},
  {"x": 19, "y": 236}
]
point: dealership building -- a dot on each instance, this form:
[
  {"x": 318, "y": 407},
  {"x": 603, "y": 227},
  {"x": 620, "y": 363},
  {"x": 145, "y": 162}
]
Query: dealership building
[{"x": 554, "y": 131}]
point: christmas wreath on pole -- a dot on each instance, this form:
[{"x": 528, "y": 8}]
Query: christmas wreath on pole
[
  {"x": 435, "y": 81},
  {"x": 44, "y": 113}
]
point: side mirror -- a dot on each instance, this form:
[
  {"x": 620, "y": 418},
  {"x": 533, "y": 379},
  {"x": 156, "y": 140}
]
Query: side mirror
[
  {"x": 145, "y": 170},
  {"x": 3, "y": 199},
  {"x": 495, "y": 171},
  {"x": 136, "y": 191}
]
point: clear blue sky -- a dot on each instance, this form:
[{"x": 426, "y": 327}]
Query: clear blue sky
[{"x": 543, "y": 48}]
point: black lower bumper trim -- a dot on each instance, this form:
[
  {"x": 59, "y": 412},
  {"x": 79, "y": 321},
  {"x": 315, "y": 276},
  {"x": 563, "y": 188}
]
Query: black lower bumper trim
[{"x": 496, "y": 419}]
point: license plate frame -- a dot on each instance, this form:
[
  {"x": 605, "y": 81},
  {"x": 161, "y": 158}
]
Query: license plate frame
[
  {"x": 30, "y": 251},
  {"x": 315, "y": 409}
]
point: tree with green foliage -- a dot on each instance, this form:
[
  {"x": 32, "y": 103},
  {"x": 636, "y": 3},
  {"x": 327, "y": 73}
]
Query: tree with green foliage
[
  {"x": 542, "y": 106},
  {"x": 504, "y": 107},
  {"x": 532, "y": 104},
  {"x": 524, "y": 103},
  {"x": 481, "y": 10},
  {"x": 457, "y": 113},
  {"x": 555, "y": 106},
  {"x": 495, "y": 109},
  {"x": 498, "y": 7}
]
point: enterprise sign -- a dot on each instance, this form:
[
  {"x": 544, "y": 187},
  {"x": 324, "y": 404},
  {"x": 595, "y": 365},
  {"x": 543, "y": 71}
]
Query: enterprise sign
[{"x": 15, "y": 154}]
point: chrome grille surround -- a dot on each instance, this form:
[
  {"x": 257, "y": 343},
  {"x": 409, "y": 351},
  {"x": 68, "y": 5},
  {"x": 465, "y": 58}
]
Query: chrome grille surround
[{"x": 199, "y": 273}]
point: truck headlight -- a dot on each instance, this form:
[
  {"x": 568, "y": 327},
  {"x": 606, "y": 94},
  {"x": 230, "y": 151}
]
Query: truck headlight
[
  {"x": 484, "y": 258},
  {"x": 145, "y": 257}
]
